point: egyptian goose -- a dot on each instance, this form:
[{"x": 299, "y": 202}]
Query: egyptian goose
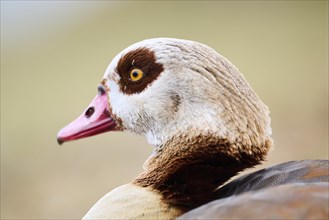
[{"x": 206, "y": 125}]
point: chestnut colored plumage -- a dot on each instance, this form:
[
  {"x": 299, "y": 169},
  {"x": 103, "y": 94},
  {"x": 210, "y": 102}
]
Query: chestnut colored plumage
[
  {"x": 206, "y": 125},
  {"x": 143, "y": 59}
]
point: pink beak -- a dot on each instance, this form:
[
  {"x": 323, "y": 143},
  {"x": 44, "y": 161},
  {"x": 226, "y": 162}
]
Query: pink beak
[{"x": 95, "y": 120}]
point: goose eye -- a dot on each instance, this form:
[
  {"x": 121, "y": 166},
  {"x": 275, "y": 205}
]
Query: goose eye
[{"x": 136, "y": 74}]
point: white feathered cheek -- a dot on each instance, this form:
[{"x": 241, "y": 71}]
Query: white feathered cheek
[
  {"x": 140, "y": 112},
  {"x": 127, "y": 108},
  {"x": 120, "y": 106},
  {"x": 130, "y": 83}
]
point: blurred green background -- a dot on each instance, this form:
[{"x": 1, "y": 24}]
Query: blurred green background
[{"x": 54, "y": 53}]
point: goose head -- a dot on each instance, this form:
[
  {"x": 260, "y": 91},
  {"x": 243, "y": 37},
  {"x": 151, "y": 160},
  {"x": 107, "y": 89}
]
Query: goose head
[{"x": 192, "y": 105}]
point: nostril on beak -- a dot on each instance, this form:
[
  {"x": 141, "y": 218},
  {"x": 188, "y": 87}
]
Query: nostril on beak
[
  {"x": 90, "y": 111},
  {"x": 101, "y": 90}
]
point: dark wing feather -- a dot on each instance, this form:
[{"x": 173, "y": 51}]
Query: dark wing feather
[
  {"x": 288, "y": 201},
  {"x": 291, "y": 190},
  {"x": 305, "y": 171}
]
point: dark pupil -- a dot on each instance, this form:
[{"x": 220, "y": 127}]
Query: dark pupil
[
  {"x": 90, "y": 111},
  {"x": 135, "y": 74}
]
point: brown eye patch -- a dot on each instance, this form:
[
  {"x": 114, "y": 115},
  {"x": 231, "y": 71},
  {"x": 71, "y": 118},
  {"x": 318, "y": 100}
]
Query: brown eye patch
[{"x": 143, "y": 59}]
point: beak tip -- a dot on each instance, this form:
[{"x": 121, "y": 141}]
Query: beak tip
[{"x": 60, "y": 141}]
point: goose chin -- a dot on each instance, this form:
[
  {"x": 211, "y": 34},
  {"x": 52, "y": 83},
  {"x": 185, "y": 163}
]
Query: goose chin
[{"x": 95, "y": 120}]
